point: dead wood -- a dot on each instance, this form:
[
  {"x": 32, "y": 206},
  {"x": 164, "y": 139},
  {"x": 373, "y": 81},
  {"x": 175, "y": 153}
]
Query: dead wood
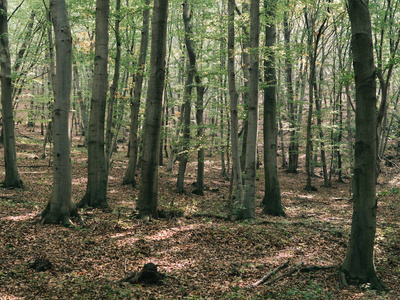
[
  {"x": 288, "y": 273},
  {"x": 316, "y": 268},
  {"x": 271, "y": 273},
  {"x": 148, "y": 275}
]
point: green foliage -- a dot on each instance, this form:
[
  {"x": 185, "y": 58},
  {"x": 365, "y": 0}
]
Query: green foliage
[{"x": 313, "y": 291}]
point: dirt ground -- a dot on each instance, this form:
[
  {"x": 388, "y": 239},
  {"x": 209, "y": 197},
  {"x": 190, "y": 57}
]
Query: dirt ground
[{"x": 201, "y": 253}]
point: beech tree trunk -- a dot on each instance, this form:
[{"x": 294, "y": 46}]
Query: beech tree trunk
[
  {"x": 82, "y": 105},
  {"x": 96, "y": 190},
  {"x": 148, "y": 195},
  {"x": 130, "y": 173},
  {"x": 110, "y": 126},
  {"x": 293, "y": 144},
  {"x": 251, "y": 145},
  {"x": 359, "y": 261},
  {"x": 61, "y": 207},
  {"x": 12, "y": 179},
  {"x": 272, "y": 199},
  {"x": 233, "y": 94}
]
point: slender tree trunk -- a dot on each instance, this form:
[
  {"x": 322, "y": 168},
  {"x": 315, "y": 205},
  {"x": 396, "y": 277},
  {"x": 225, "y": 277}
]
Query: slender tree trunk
[
  {"x": 82, "y": 105},
  {"x": 130, "y": 173},
  {"x": 200, "y": 132},
  {"x": 148, "y": 195},
  {"x": 12, "y": 179},
  {"x": 272, "y": 199},
  {"x": 321, "y": 133},
  {"x": 250, "y": 167},
  {"x": 60, "y": 207},
  {"x": 96, "y": 191},
  {"x": 110, "y": 125},
  {"x": 313, "y": 41},
  {"x": 183, "y": 157},
  {"x": 359, "y": 261},
  {"x": 293, "y": 150}
]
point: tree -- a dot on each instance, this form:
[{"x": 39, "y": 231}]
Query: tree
[
  {"x": 272, "y": 198},
  {"x": 293, "y": 145},
  {"x": 233, "y": 94},
  {"x": 96, "y": 190},
  {"x": 110, "y": 128},
  {"x": 130, "y": 173},
  {"x": 148, "y": 195},
  {"x": 359, "y": 261},
  {"x": 251, "y": 145},
  {"x": 61, "y": 207},
  {"x": 12, "y": 179},
  {"x": 192, "y": 74}
]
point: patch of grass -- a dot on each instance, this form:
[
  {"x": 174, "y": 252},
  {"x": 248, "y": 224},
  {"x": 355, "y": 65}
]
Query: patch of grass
[{"x": 313, "y": 291}]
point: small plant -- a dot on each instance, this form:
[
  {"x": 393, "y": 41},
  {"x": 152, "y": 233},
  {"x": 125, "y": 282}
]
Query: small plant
[{"x": 238, "y": 212}]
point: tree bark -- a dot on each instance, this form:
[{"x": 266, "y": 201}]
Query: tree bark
[
  {"x": 272, "y": 199},
  {"x": 293, "y": 145},
  {"x": 148, "y": 195},
  {"x": 359, "y": 261},
  {"x": 233, "y": 94},
  {"x": 110, "y": 125},
  {"x": 96, "y": 190},
  {"x": 251, "y": 145},
  {"x": 12, "y": 179},
  {"x": 130, "y": 173},
  {"x": 61, "y": 207}
]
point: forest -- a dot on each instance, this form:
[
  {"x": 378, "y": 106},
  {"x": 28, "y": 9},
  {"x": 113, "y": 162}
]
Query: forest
[{"x": 200, "y": 149}]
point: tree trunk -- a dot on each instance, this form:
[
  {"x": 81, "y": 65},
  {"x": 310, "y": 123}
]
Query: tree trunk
[
  {"x": 148, "y": 195},
  {"x": 110, "y": 125},
  {"x": 96, "y": 190},
  {"x": 82, "y": 105},
  {"x": 236, "y": 166},
  {"x": 359, "y": 261},
  {"x": 61, "y": 207},
  {"x": 293, "y": 148},
  {"x": 251, "y": 145},
  {"x": 272, "y": 199},
  {"x": 183, "y": 157},
  {"x": 12, "y": 179},
  {"x": 130, "y": 173}
]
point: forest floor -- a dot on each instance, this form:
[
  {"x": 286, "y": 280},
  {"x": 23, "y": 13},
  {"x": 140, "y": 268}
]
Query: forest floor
[{"x": 201, "y": 253}]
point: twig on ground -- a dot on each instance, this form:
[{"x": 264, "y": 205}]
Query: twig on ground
[
  {"x": 316, "y": 268},
  {"x": 271, "y": 273},
  {"x": 290, "y": 272}
]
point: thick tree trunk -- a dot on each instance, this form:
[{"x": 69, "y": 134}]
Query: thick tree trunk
[
  {"x": 359, "y": 262},
  {"x": 60, "y": 207},
  {"x": 96, "y": 191},
  {"x": 236, "y": 166},
  {"x": 272, "y": 199},
  {"x": 148, "y": 195},
  {"x": 12, "y": 179},
  {"x": 251, "y": 146},
  {"x": 130, "y": 173}
]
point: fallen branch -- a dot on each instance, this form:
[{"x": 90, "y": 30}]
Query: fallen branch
[
  {"x": 316, "y": 268},
  {"x": 133, "y": 277},
  {"x": 290, "y": 272},
  {"x": 269, "y": 274}
]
